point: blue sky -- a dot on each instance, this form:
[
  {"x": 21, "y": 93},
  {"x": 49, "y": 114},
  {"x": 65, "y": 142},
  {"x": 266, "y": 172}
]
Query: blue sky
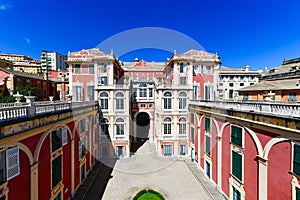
[{"x": 258, "y": 33}]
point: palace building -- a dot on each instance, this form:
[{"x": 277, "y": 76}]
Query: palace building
[{"x": 144, "y": 100}]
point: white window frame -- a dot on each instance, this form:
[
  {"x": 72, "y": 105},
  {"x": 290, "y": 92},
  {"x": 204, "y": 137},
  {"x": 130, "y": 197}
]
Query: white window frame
[
  {"x": 12, "y": 154},
  {"x": 120, "y": 125},
  {"x": 182, "y": 126},
  {"x": 64, "y": 135},
  {"x": 167, "y": 101},
  {"x": 119, "y": 101},
  {"x": 182, "y": 101},
  {"x": 167, "y": 126},
  {"x": 104, "y": 101}
]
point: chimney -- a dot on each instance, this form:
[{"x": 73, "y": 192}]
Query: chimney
[
  {"x": 136, "y": 60},
  {"x": 246, "y": 68}
]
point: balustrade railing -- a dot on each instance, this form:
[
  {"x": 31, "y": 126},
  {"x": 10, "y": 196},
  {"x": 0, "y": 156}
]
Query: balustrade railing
[
  {"x": 276, "y": 108},
  {"x": 14, "y": 111}
]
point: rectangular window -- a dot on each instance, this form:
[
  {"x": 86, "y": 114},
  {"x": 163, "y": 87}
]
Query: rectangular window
[
  {"x": 236, "y": 165},
  {"x": 207, "y": 145},
  {"x": 192, "y": 118},
  {"x": 78, "y": 90},
  {"x": 91, "y": 69},
  {"x": 237, "y": 136},
  {"x": 236, "y": 195},
  {"x": 120, "y": 151},
  {"x": 102, "y": 80},
  {"x": 143, "y": 92},
  {"x": 241, "y": 84},
  {"x": 77, "y": 68},
  {"x": 207, "y": 168},
  {"x": 246, "y": 96},
  {"x": 292, "y": 97},
  {"x": 64, "y": 133},
  {"x": 82, "y": 126},
  {"x": 297, "y": 193},
  {"x": 207, "y": 69},
  {"x": 150, "y": 92},
  {"x": 167, "y": 150},
  {"x": 182, "y": 68},
  {"x": 196, "y": 92},
  {"x": 81, "y": 150},
  {"x": 56, "y": 171},
  {"x": 296, "y": 164},
  {"x": 94, "y": 137},
  {"x": 192, "y": 134},
  {"x": 209, "y": 92},
  {"x": 207, "y": 124},
  {"x": 90, "y": 92},
  {"x": 56, "y": 140},
  {"x": 230, "y": 84},
  {"x": 182, "y": 149},
  {"x": 12, "y": 162},
  {"x": 182, "y": 80}
]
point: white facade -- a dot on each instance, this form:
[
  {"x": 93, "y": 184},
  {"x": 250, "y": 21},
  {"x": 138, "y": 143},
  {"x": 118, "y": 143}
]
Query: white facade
[
  {"x": 233, "y": 79},
  {"x": 52, "y": 61}
]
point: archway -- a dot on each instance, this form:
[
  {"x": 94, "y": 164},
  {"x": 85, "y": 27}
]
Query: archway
[{"x": 141, "y": 131}]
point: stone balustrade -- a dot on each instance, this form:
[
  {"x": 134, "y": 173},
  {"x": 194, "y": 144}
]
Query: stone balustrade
[
  {"x": 15, "y": 111},
  {"x": 275, "y": 108}
]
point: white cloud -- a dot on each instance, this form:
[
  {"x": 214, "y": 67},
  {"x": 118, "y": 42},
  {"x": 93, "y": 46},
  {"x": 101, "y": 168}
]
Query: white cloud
[
  {"x": 27, "y": 40},
  {"x": 4, "y": 6}
]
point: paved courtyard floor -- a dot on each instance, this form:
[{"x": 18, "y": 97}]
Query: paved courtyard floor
[{"x": 171, "y": 177}]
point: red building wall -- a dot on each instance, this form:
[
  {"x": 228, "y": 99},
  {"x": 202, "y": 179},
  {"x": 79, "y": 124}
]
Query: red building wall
[{"x": 279, "y": 164}]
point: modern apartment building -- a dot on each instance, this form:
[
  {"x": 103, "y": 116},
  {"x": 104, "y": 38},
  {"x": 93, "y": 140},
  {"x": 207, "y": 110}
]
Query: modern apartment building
[{"x": 52, "y": 61}]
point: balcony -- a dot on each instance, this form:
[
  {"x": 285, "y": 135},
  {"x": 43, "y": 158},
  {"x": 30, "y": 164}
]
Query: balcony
[
  {"x": 284, "y": 109},
  {"x": 14, "y": 111}
]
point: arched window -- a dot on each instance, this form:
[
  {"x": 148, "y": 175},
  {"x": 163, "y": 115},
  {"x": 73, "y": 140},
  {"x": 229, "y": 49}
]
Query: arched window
[
  {"x": 104, "y": 124},
  {"x": 182, "y": 126},
  {"x": 167, "y": 126},
  {"x": 104, "y": 100},
  {"x": 120, "y": 127},
  {"x": 182, "y": 101},
  {"x": 167, "y": 101},
  {"x": 119, "y": 101}
]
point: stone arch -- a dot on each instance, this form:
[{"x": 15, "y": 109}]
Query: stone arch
[
  {"x": 270, "y": 144},
  {"x": 253, "y": 135},
  {"x": 23, "y": 147},
  {"x": 42, "y": 139}
]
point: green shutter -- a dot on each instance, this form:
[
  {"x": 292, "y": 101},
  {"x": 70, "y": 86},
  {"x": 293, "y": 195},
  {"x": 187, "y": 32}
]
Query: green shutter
[
  {"x": 236, "y": 135},
  {"x": 207, "y": 124},
  {"x": 207, "y": 144},
  {"x": 56, "y": 171},
  {"x": 237, "y": 165},
  {"x": 296, "y": 168},
  {"x": 297, "y": 193}
]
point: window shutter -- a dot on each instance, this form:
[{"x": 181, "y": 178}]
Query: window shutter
[
  {"x": 86, "y": 124},
  {"x": 296, "y": 168},
  {"x": 207, "y": 144},
  {"x": 79, "y": 149},
  {"x": 207, "y": 124},
  {"x": 64, "y": 135},
  {"x": 12, "y": 162},
  {"x": 237, "y": 165},
  {"x": 236, "y": 135}
]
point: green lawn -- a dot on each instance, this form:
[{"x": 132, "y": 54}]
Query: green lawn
[{"x": 148, "y": 195}]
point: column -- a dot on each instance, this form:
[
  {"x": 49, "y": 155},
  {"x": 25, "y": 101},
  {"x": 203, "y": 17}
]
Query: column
[
  {"x": 262, "y": 178},
  {"x": 72, "y": 165},
  {"x": 34, "y": 179},
  {"x": 219, "y": 160}
]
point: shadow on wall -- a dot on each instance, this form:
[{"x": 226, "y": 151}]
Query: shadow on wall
[{"x": 142, "y": 127}]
